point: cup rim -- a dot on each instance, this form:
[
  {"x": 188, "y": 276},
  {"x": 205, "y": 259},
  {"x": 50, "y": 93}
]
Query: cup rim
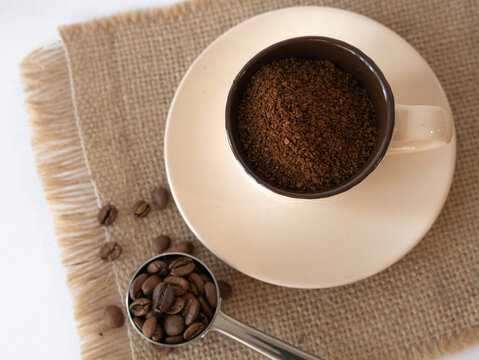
[
  {"x": 159, "y": 257},
  {"x": 354, "y": 180}
]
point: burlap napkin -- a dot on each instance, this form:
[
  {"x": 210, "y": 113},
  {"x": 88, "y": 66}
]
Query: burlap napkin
[{"x": 98, "y": 103}]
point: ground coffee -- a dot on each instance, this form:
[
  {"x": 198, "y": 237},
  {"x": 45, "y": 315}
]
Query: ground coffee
[{"x": 306, "y": 124}]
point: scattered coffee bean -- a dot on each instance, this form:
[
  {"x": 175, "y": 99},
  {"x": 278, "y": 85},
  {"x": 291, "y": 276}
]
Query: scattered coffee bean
[
  {"x": 160, "y": 197},
  {"x": 173, "y": 325},
  {"x": 161, "y": 244},
  {"x": 178, "y": 284},
  {"x": 150, "y": 284},
  {"x": 182, "y": 266},
  {"x": 197, "y": 284},
  {"x": 110, "y": 251},
  {"x": 158, "y": 334},
  {"x": 107, "y": 215},
  {"x": 139, "y": 321},
  {"x": 173, "y": 339},
  {"x": 135, "y": 288},
  {"x": 163, "y": 297},
  {"x": 162, "y": 350},
  {"x": 184, "y": 247},
  {"x": 210, "y": 293},
  {"x": 140, "y": 307},
  {"x": 191, "y": 311},
  {"x": 113, "y": 317},
  {"x": 193, "y": 330},
  {"x": 177, "y": 306},
  {"x": 158, "y": 267},
  {"x": 225, "y": 289},
  {"x": 205, "y": 307},
  {"x": 142, "y": 208},
  {"x": 149, "y": 326}
]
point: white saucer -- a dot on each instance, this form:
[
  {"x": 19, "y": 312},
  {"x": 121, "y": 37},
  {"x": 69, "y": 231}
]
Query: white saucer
[{"x": 318, "y": 243}]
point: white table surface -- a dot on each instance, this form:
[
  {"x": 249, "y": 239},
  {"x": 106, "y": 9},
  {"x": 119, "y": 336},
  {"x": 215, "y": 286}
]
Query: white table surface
[{"x": 35, "y": 304}]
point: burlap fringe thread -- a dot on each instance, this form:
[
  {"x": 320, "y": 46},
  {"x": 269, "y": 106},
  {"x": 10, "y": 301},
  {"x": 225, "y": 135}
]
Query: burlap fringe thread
[{"x": 71, "y": 197}]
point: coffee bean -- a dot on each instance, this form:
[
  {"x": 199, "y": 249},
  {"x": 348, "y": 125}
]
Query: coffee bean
[
  {"x": 210, "y": 293},
  {"x": 188, "y": 296},
  {"x": 225, "y": 289},
  {"x": 160, "y": 197},
  {"x": 204, "y": 277},
  {"x": 162, "y": 350},
  {"x": 152, "y": 313},
  {"x": 135, "y": 288},
  {"x": 161, "y": 244},
  {"x": 150, "y": 284},
  {"x": 142, "y": 208},
  {"x": 158, "y": 334},
  {"x": 202, "y": 318},
  {"x": 173, "y": 339},
  {"x": 182, "y": 266},
  {"x": 107, "y": 215},
  {"x": 110, "y": 251},
  {"x": 197, "y": 286},
  {"x": 205, "y": 307},
  {"x": 193, "y": 330},
  {"x": 184, "y": 247},
  {"x": 113, "y": 317},
  {"x": 177, "y": 306},
  {"x": 178, "y": 284},
  {"x": 191, "y": 311},
  {"x": 139, "y": 321},
  {"x": 163, "y": 297},
  {"x": 173, "y": 325},
  {"x": 158, "y": 267},
  {"x": 149, "y": 326},
  {"x": 140, "y": 307}
]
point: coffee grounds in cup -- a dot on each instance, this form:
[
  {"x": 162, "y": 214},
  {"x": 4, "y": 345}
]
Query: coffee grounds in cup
[{"x": 306, "y": 125}]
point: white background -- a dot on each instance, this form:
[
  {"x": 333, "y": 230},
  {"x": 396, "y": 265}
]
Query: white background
[{"x": 35, "y": 306}]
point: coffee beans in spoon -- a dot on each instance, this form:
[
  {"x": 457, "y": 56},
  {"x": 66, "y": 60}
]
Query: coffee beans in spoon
[{"x": 172, "y": 299}]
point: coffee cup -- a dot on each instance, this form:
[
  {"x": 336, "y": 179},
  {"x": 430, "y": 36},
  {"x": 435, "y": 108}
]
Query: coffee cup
[{"x": 401, "y": 128}]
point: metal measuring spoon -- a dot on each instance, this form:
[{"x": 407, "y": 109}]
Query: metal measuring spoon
[{"x": 267, "y": 345}]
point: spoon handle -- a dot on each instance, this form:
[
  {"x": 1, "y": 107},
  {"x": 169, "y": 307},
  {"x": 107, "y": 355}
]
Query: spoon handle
[{"x": 268, "y": 346}]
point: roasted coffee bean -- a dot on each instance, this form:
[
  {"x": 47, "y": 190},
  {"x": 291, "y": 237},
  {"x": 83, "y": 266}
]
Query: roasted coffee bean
[
  {"x": 158, "y": 334},
  {"x": 191, "y": 311},
  {"x": 205, "y": 307},
  {"x": 188, "y": 296},
  {"x": 179, "y": 285},
  {"x": 173, "y": 325},
  {"x": 150, "y": 284},
  {"x": 152, "y": 313},
  {"x": 135, "y": 288},
  {"x": 203, "y": 319},
  {"x": 182, "y": 266},
  {"x": 149, "y": 326},
  {"x": 140, "y": 307},
  {"x": 184, "y": 247},
  {"x": 197, "y": 286},
  {"x": 204, "y": 277},
  {"x": 142, "y": 208},
  {"x": 110, "y": 251},
  {"x": 210, "y": 293},
  {"x": 160, "y": 197},
  {"x": 107, "y": 215},
  {"x": 162, "y": 350},
  {"x": 193, "y": 330},
  {"x": 113, "y": 317},
  {"x": 225, "y": 289},
  {"x": 161, "y": 244},
  {"x": 173, "y": 339},
  {"x": 158, "y": 267},
  {"x": 163, "y": 297},
  {"x": 139, "y": 321},
  {"x": 177, "y": 306}
]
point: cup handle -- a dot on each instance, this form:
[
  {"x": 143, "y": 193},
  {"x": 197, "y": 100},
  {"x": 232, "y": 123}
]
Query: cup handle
[{"x": 420, "y": 127}]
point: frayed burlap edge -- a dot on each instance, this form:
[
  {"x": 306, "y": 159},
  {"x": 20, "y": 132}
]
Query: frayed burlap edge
[
  {"x": 72, "y": 201},
  {"x": 71, "y": 196}
]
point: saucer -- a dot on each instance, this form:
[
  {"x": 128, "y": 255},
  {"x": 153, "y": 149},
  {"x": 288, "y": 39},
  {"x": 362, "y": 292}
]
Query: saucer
[{"x": 306, "y": 243}]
